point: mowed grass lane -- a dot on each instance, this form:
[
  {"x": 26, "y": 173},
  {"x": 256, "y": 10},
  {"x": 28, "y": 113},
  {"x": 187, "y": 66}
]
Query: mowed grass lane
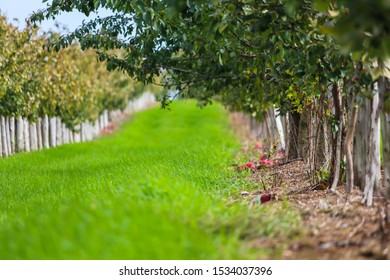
[{"x": 154, "y": 190}]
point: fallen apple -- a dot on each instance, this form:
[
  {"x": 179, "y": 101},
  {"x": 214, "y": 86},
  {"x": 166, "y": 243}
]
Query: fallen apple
[
  {"x": 250, "y": 165},
  {"x": 265, "y": 197},
  {"x": 240, "y": 167}
]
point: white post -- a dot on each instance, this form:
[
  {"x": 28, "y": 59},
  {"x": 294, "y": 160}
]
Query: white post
[
  {"x": 96, "y": 128},
  {"x": 4, "y": 142},
  {"x": 76, "y": 135},
  {"x": 279, "y": 127},
  {"x": 12, "y": 133},
  {"x": 52, "y": 132},
  {"x": 106, "y": 119},
  {"x": 26, "y": 135},
  {"x": 8, "y": 136},
  {"x": 59, "y": 131},
  {"x": 373, "y": 170},
  {"x": 71, "y": 136},
  {"x": 45, "y": 132},
  {"x": 39, "y": 134},
  {"x": 1, "y": 142},
  {"x": 33, "y": 137},
  {"x": 19, "y": 134}
]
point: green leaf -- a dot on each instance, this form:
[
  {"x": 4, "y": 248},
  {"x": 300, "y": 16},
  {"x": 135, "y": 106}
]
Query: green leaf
[
  {"x": 222, "y": 27},
  {"x": 321, "y": 5}
]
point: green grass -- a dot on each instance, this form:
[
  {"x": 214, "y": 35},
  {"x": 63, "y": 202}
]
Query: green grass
[{"x": 157, "y": 189}]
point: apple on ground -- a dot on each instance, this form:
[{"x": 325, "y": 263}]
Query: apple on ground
[
  {"x": 265, "y": 197},
  {"x": 250, "y": 165}
]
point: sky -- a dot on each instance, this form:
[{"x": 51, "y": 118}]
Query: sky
[{"x": 21, "y": 9}]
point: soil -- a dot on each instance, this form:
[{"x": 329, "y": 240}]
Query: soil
[{"x": 334, "y": 226}]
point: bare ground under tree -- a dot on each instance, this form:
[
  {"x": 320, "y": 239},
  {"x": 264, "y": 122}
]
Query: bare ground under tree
[{"x": 333, "y": 228}]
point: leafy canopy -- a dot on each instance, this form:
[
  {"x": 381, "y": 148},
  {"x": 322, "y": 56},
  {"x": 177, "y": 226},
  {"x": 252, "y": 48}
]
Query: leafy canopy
[{"x": 249, "y": 53}]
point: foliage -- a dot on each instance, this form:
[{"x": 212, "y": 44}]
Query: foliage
[
  {"x": 248, "y": 53},
  {"x": 251, "y": 54},
  {"x": 70, "y": 83}
]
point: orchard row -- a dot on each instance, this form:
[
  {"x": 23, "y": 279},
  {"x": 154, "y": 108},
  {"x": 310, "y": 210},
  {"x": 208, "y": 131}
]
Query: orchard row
[
  {"x": 70, "y": 84},
  {"x": 20, "y": 135}
]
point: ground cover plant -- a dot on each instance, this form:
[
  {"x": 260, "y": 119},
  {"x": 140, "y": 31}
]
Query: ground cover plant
[{"x": 157, "y": 189}]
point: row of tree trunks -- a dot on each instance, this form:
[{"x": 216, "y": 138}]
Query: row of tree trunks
[
  {"x": 18, "y": 135},
  {"x": 269, "y": 128}
]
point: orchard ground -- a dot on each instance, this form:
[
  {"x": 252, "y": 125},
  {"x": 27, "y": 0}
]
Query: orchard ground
[
  {"x": 334, "y": 225},
  {"x": 159, "y": 188},
  {"x": 163, "y": 187}
]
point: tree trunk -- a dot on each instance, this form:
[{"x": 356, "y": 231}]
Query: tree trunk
[
  {"x": 82, "y": 132},
  {"x": 89, "y": 131},
  {"x": 65, "y": 134},
  {"x": 1, "y": 142},
  {"x": 361, "y": 144},
  {"x": 52, "y": 132},
  {"x": 311, "y": 141},
  {"x": 58, "y": 131},
  {"x": 349, "y": 144},
  {"x": 76, "y": 134},
  {"x": 33, "y": 137},
  {"x": 279, "y": 127},
  {"x": 337, "y": 148},
  {"x": 269, "y": 122},
  {"x": 8, "y": 136},
  {"x": 71, "y": 136},
  {"x": 293, "y": 135},
  {"x": 373, "y": 162},
  {"x": 4, "y": 142},
  {"x": 26, "y": 135},
  {"x": 12, "y": 134},
  {"x": 45, "y": 132},
  {"x": 327, "y": 147},
  {"x": 39, "y": 134},
  {"x": 19, "y": 135},
  {"x": 385, "y": 129}
]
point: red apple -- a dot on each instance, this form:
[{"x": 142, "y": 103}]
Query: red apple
[
  {"x": 265, "y": 197},
  {"x": 240, "y": 167},
  {"x": 250, "y": 165}
]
